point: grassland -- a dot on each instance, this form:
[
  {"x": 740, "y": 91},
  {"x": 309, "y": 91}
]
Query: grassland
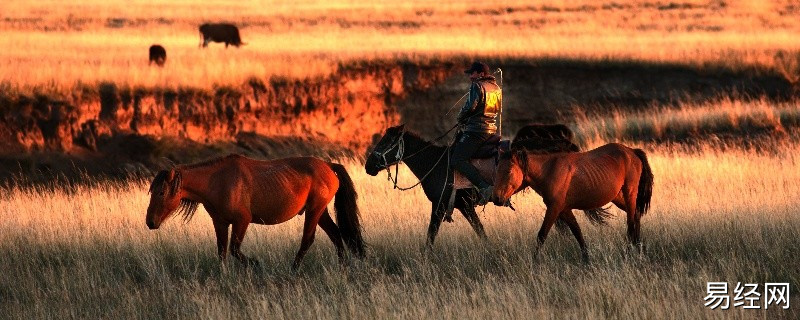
[
  {"x": 717, "y": 216},
  {"x": 51, "y": 45},
  {"x": 726, "y": 121},
  {"x": 724, "y": 204}
]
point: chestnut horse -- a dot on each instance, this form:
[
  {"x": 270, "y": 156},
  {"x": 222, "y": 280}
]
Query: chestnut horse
[
  {"x": 580, "y": 180},
  {"x": 237, "y": 191},
  {"x": 428, "y": 162}
]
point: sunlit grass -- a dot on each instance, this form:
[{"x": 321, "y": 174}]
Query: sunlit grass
[
  {"x": 690, "y": 121},
  {"x": 716, "y": 216}
]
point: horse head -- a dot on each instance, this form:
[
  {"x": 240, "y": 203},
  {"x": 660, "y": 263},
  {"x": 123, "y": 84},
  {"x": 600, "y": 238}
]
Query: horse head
[
  {"x": 164, "y": 197},
  {"x": 387, "y": 151},
  {"x": 508, "y": 176}
]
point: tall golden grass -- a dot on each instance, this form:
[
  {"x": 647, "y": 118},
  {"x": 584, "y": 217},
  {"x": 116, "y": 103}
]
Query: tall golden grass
[
  {"x": 54, "y": 44},
  {"x": 719, "y": 213},
  {"x": 727, "y": 118},
  {"x": 716, "y": 216}
]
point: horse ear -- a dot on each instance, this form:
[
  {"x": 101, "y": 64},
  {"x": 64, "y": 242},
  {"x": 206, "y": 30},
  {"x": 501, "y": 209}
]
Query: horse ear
[
  {"x": 165, "y": 164},
  {"x": 174, "y": 179}
]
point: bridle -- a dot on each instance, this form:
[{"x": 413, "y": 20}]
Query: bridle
[{"x": 399, "y": 157}]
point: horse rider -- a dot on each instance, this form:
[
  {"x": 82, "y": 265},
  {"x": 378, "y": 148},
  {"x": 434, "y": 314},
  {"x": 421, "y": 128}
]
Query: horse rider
[{"x": 477, "y": 123}]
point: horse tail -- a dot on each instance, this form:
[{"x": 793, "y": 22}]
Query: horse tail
[
  {"x": 645, "y": 191},
  {"x": 347, "y": 211},
  {"x": 598, "y": 216}
]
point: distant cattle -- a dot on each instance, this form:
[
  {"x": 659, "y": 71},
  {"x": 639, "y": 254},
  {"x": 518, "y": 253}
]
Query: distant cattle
[
  {"x": 220, "y": 32},
  {"x": 158, "y": 55}
]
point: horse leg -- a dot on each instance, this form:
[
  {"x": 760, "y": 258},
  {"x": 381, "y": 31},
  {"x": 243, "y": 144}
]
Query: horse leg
[
  {"x": 221, "y": 229},
  {"x": 569, "y": 217},
  {"x": 330, "y": 228},
  {"x": 633, "y": 218},
  {"x": 550, "y": 217},
  {"x": 619, "y": 201},
  {"x": 309, "y": 230},
  {"x": 437, "y": 215},
  {"x": 632, "y": 221},
  {"x": 237, "y": 237},
  {"x": 468, "y": 210}
]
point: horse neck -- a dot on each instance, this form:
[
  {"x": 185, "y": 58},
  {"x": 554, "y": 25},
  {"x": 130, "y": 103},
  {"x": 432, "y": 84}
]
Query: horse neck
[
  {"x": 194, "y": 182},
  {"x": 421, "y": 163},
  {"x": 534, "y": 167}
]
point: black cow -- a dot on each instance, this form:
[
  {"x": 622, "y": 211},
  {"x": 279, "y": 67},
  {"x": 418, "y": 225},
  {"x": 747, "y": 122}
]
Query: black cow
[
  {"x": 158, "y": 55},
  {"x": 220, "y": 32}
]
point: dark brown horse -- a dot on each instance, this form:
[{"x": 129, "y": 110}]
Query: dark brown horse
[
  {"x": 237, "y": 191},
  {"x": 428, "y": 162},
  {"x": 582, "y": 180}
]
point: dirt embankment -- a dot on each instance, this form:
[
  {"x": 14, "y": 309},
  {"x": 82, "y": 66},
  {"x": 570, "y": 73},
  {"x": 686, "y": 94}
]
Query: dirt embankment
[
  {"x": 108, "y": 129},
  {"x": 339, "y": 109},
  {"x": 113, "y": 130}
]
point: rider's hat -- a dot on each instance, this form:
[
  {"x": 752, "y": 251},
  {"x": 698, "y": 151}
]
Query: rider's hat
[{"x": 479, "y": 67}]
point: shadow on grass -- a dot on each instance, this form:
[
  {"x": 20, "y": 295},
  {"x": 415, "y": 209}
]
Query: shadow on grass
[{"x": 124, "y": 157}]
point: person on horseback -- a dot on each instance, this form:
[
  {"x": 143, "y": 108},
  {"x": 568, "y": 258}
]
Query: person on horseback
[{"x": 477, "y": 124}]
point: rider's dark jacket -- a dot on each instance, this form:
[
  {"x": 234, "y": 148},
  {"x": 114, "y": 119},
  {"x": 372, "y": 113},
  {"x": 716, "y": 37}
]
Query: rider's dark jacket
[{"x": 485, "y": 101}]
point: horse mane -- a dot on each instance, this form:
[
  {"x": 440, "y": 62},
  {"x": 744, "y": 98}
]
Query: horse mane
[
  {"x": 161, "y": 179},
  {"x": 415, "y": 135},
  {"x": 187, "y": 208}
]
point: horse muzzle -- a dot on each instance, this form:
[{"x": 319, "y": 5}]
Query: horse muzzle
[
  {"x": 372, "y": 171},
  {"x": 152, "y": 225},
  {"x": 498, "y": 201}
]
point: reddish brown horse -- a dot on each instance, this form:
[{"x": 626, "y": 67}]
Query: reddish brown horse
[
  {"x": 581, "y": 180},
  {"x": 237, "y": 191}
]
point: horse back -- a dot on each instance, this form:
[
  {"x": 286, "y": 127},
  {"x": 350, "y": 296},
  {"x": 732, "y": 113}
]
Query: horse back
[
  {"x": 595, "y": 176},
  {"x": 273, "y": 191},
  {"x": 289, "y": 174},
  {"x": 609, "y": 158}
]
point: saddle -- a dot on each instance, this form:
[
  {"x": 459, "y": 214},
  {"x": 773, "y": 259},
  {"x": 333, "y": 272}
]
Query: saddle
[
  {"x": 485, "y": 160},
  {"x": 491, "y": 147}
]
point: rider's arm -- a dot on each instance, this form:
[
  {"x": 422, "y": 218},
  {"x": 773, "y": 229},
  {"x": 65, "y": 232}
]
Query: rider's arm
[{"x": 471, "y": 103}]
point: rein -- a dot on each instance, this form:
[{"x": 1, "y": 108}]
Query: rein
[{"x": 400, "y": 144}]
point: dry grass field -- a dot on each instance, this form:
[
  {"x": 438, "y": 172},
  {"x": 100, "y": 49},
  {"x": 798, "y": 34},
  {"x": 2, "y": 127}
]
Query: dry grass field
[
  {"x": 721, "y": 122},
  {"x": 725, "y": 205},
  {"x": 717, "y": 216},
  {"x": 59, "y": 45}
]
